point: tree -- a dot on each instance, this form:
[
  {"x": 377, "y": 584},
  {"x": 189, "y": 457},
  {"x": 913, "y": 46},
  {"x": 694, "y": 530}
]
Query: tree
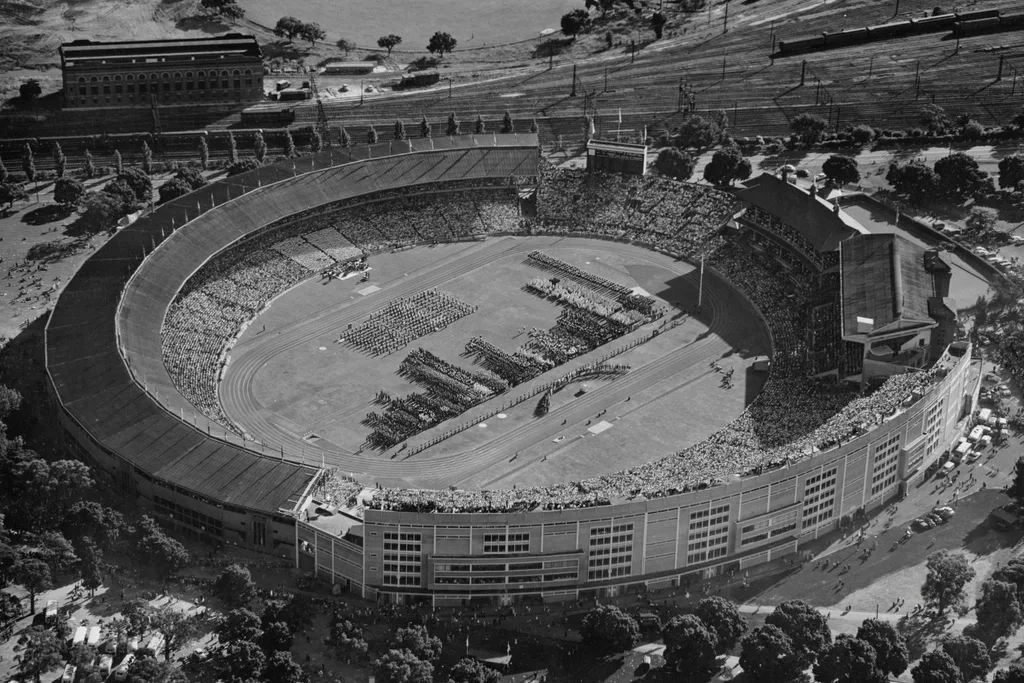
[
  {"x": 981, "y": 222},
  {"x": 289, "y": 143},
  {"x": 862, "y": 134},
  {"x": 441, "y": 43},
  {"x": 259, "y": 147},
  {"x": 89, "y": 168},
  {"x": 277, "y": 637},
  {"x": 1018, "y": 120},
  {"x": 147, "y": 159},
  {"x": 232, "y": 148},
  {"x": 30, "y": 90},
  {"x": 479, "y": 127},
  {"x": 608, "y": 628},
  {"x": 118, "y": 162},
  {"x": 10, "y": 609},
  {"x": 690, "y": 649},
  {"x": 178, "y": 629},
  {"x": 722, "y": 617},
  {"x": 1011, "y": 171},
  {"x": 68, "y": 192},
  {"x": 158, "y": 549},
  {"x": 239, "y": 624},
  {"x": 192, "y": 177},
  {"x": 891, "y": 655},
  {"x": 281, "y": 668},
  {"x": 453, "y": 125},
  {"x": 507, "y": 125},
  {"x": 674, "y": 163},
  {"x": 235, "y": 586},
  {"x": 41, "y": 653},
  {"x": 1013, "y": 571},
  {"x": 841, "y": 169},
  {"x": 399, "y": 131},
  {"x": 28, "y": 162},
  {"x": 316, "y": 143},
  {"x": 92, "y": 577},
  {"x": 469, "y": 670},
  {"x": 12, "y": 192},
  {"x": 243, "y": 166},
  {"x": 969, "y": 654},
  {"x": 224, "y": 8},
  {"x": 371, "y": 135},
  {"x": 1013, "y": 674},
  {"x": 240, "y": 661},
  {"x": 172, "y": 189},
  {"x": 768, "y": 656},
  {"x": 726, "y": 165},
  {"x": 139, "y": 183},
  {"x": 543, "y": 405},
  {"x": 347, "y": 638},
  {"x": 934, "y": 118},
  {"x": 658, "y": 22},
  {"x": 149, "y": 670},
  {"x": 960, "y": 175},
  {"x": 345, "y": 138},
  {"x": 948, "y": 574},
  {"x": 699, "y": 132},
  {"x": 389, "y": 42},
  {"x": 402, "y": 666},
  {"x": 936, "y": 667},
  {"x": 534, "y": 128},
  {"x": 312, "y": 32},
  {"x": 100, "y": 211},
  {"x": 346, "y": 46},
  {"x": 139, "y": 615},
  {"x": 34, "y": 575},
  {"x": 915, "y": 180},
  {"x": 805, "y": 626},
  {"x": 3, "y": 172},
  {"x": 288, "y": 27},
  {"x": 847, "y": 660},
  {"x": 575, "y": 22},
  {"x": 8, "y": 558},
  {"x": 89, "y": 519},
  {"x": 809, "y": 127},
  {"x": 417, "y": 640},
  {"x": 60, "y": 162}
]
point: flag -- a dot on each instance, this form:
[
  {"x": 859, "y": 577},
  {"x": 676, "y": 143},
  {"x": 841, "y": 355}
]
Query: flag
[
  {"x": 467, "y": 642},
  {"x": 620, "y": 116}
]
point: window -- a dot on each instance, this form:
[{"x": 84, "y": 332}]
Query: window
[
  {"x": 709, "y": 534},
  {"x": 189, "y": 81},
  {"x": 189, "y": 517},
  {"x": 94, "y": 83},
  {"x": 402, "y": 559},
  {"x": 118, "y": 87},
  {"x": 611, "y": 552},
  {"x": 819, "y": 498},
  {"x": 887, "y": 457},
  {"x": 248, "y": 78},
  {"x": 177, "y": 81},
  {"x": 501, "y": 544},
  {"x": 238, "y": 79},
  {"x": 106, "y": 85},
  {"x": 224, "y": 84},
  {"x": 167, "y": 83}
]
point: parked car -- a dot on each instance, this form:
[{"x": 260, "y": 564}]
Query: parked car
[
  {"x": 945, "y": 511},
  {"x": 935, "y": 518},
  {"x": 945, "y": 469},
  {"x": 121, "y": 672},
  {"x": 69, "y": 674},
  {"x": 922, "y": 524},
  {"x": 106, "y": 662}
]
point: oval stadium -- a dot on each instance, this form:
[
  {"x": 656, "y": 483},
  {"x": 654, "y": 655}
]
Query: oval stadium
[{"x": 446, "y": 371}]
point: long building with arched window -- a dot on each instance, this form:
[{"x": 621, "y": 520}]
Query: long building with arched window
[{"x": 162, "y": 72}]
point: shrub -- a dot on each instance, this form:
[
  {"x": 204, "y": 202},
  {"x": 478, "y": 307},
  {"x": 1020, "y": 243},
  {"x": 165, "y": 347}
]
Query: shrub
[{"x": 243, "y": 165}]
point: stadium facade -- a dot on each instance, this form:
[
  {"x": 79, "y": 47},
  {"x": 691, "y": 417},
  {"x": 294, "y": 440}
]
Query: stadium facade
[{"x": 118, "y": 404}]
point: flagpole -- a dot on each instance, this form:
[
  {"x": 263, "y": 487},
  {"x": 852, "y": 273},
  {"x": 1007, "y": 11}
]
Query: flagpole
[{"x": 700, "y": 287}]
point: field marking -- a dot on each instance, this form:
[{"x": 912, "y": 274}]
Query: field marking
[{"x": 602, "y": 426}]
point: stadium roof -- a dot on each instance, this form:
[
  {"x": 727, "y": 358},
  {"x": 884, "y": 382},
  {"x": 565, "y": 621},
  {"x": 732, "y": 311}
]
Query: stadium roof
[
  {"x": 139, "y": 414},
  {"x": 88, "y": 50},
  {"x": 885, "y": 280},
  {"x": 811, "y": 216}
]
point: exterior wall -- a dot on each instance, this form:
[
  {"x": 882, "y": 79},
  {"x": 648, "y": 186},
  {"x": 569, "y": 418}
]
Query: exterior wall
[
  {"x": 457, "y": 558},
  {"x": 204, "y": 79}
]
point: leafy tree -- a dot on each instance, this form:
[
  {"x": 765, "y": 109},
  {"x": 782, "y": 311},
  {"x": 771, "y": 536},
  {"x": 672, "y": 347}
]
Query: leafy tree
[
  {"x": 441, "y": 43},
  {"x": 469, "y": 670},
  {"x": 235, "y": 586},
  {"x": 312, "y": 32},
  {"x": 507, "y": 125},
  {"x": 690, "y": 649},
  {"x": 402, "y": 666},
  {"x": 1013, "y": 571},
  {"x": 158, "y": 549},
  {"x": 89, "y": 519},
  {"x": 8, "y": 558},
  {"x": 915, "y": 180},
  {"x": 346, "y": 139},
  {"x": 724, "y": 619},
  {"x": 68, "y": 192},
  {"x": 726, "y": 165},
  {"x": 809, "y": 127},
  {"x": 88, "y": 167},
  {"x": 575, "y": 22},
  {"x": 1011, "y": 171},
  {"x": 28, "y": 162},
  {"x": 934, "y": 118},
  {"x": 543, "y": 405},
  {"x": 240, "y": 661},
  {"x": 194, "y": 178},
  {"x": 847, "y": 660},
  {"x": 371, "y": 135},
  {"x": 960, "y": 175},
  {"x": 178, "y": 629},
  {"x": 316, "y": 143},
  {"x": 346, "y": 46},
  {"x": 698, "y": 131},
  {"x": 232, "y": 148},
  {"x": 862, "y": 134},
  {"x": 34, "y": 575},
  {"x": 804, "y": 625},
  {"x": 289, "y": 144},
  {"x": 288, "y": 27},
  {"x": 674, "y": 163},
  {"x": 172, "y": 189},
  {"x": 40, "y": 654},
  {"x": 224, "y": 8},
  {"x": 981, "y": 222},
  {"x": 969, "y": 654},
  {"x": 147, "y": 159},
  {"x": 1018, "y": 120},
  {"x": 92, "y": 577},
  {"x": 417, "y": 640},
  {"x": 118, "y": 163},
  {"x": 973, "y": 130},
  {"x": 277, "y": 637},
  {"x": 948, "y": 574},
  {"x": 100, "y": 211},
  {"x": 479, "y": 127},
  {"x": 10, "y": 609},
  {"x": 140, "y": 184},
  {"x": 281, "y": 668},
  {"x": 452, "y": 127},
  {"x": 892, "y": 657},
  {"x": 658, "y": 22},
  {"x": 936, "y": 667},
  {"x": 534, "y": 128},
  {"x": 1013, "y": 674},
  {"x": 243, "y": 165},
  {"x": 259, "y": 147},
  {"x": 389, "y": 42},
  {"x": 768, "y": 656},
  {"x": 399, "y": 132},
  {"x": 239, "y": 624},
  {"x": 138, "y": 614},
  {"x": 841, "y": 169},
  {"x": 12, "y": 192},
  {"x": 3, "y": 172},
  {"x": 148, "y": 670},
  {"x": 347, "y": 638},
  {"x": 60, "y": 162},
  {"x": 30, "y": 90},
  {"x": 608, "y": 628}
]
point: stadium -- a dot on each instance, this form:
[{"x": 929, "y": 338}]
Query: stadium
[{"x": 154, "y": 360}]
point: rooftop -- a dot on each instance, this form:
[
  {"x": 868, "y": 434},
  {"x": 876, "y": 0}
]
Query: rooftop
[{"x": 92, "y": 50}]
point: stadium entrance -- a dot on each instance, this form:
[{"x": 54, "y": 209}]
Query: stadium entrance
[{"x": 616, "y": 157}]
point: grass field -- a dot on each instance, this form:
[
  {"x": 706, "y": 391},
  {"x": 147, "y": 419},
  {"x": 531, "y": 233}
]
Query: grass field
[{"x": 290, "y": 384}]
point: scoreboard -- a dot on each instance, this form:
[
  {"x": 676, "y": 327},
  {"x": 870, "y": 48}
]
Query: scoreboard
[{"x": 616, "y": 157}]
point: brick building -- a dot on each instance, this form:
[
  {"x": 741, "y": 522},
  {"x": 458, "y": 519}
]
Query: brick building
[{"x": 195, "y": 71}]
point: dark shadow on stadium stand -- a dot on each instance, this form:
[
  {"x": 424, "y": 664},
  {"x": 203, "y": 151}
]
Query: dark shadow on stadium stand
[
  {"x": 22, "y": 367},
  {"x": 753, "y": 381}
]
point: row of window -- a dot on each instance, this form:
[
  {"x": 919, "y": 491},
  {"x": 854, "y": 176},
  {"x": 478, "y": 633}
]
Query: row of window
[
  {"x": 705, "y": 555},
  {"x": 188, "y": 516},
  {"x": 505, "y": 544}
]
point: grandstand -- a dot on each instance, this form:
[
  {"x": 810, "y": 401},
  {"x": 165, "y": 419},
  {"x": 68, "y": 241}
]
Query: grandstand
[{"x": 804, "y": 458}]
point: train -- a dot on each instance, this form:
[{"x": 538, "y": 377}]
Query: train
[{"x": 932, "y": 24}]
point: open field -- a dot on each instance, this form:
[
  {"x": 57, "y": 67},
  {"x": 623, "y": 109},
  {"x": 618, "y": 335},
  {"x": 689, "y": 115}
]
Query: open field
[{"x": 289, "y": 380}]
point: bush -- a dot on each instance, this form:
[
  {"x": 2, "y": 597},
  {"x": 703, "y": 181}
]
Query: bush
[
  {"x": 973, "y": 130},
  {"x": 243, "y": 165}
]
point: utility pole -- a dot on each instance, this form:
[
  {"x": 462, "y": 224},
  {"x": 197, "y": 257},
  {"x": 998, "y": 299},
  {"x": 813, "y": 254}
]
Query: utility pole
[
  {"x": 803, "y": 72},
  {"x": 772, "y": 35},
  {"x": 725, "y": 28},
  {"x": 632, "y": 51},
  {"x": 957, "y": 43},
  {"x": 999, "y": 76},
  {"x": 723, "y": 64},
  {"x": 871, "y": 66},
  {"x": 679, "y": 97},
  {"x": 917, "y": 80},
  {"x": 551, "y": 58},
  {"x": 606, "y": 79},
  {"x": 573, "y": 93}
]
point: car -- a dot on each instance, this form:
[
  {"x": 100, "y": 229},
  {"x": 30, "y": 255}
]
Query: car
[
  {"x": 69, "y": 674},
  {"x": 343, "y": 88},
  {"x": 121, "y": 672},
  {"x": 106, "y": 663},
  {"x": 935, "y": 518},
  {"x": 981, "y": 251},
  {"x": 922, "y": 524},
  {"x": 945, "y": 469},
  {"x": 1017, "y": 239},
  {"x": 945, "y": 512}
]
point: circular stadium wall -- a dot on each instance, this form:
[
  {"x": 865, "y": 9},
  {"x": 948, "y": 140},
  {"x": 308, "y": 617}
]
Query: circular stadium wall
[{"x": 105, "y": 362}]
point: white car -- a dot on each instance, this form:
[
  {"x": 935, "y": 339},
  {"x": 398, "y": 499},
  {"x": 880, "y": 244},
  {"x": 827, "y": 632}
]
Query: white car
[
  {"x": 1017, "y": 239},
  {"x": 121, "y": 672},
  {"x": 982, "y": 251}
]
